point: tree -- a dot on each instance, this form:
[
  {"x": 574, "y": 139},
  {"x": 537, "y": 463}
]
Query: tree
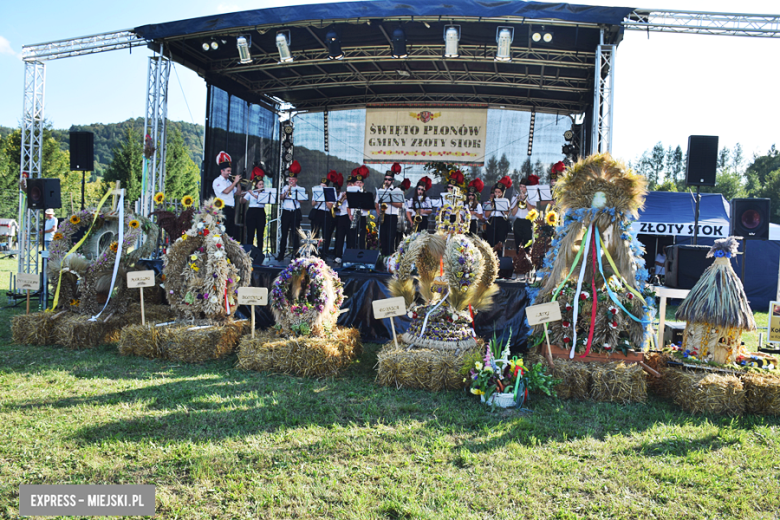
[
  {"x": 771, "y": 190},
  {"x": 737, "y": 158},
  {"x": 526, "y": 169},
  {"x": 656, "y": 166},
  {"x": 723, "y": 159},
  {"x": 126, "y": 165},
  {"x": 539, "y": 169},
  {"x": 491, "y": 171},
  {"x": 727, "y": 183},
  {"x": 674, "y": 164},
  {"x": 763, "y": 165},
  {"x": 503, "y": 166},
  {"x": 181, "y": 173}
]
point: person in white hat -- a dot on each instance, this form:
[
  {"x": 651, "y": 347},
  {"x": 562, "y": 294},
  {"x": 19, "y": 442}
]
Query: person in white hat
[{"x": 50, "y": 227}]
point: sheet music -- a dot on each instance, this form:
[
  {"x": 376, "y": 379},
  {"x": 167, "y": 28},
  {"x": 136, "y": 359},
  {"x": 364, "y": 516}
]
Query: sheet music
[{"x": 539, "y": 192}]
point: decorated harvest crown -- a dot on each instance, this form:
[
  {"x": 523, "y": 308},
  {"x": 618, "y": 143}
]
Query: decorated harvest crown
[{"x": 453, "y": 217}]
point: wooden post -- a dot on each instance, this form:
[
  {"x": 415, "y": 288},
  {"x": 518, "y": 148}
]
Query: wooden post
[
  {"x": 548, "y": 352},
  {"x": 28, "y": 301},
  {"x": 143, "y": 317},
  {"x": 392, "y": 326},
  {"x": 253, "y": 321}
]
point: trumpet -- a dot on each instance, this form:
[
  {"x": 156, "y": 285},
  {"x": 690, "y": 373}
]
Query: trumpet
[
  {"x": 382, "y": 210},
  {"x": 244, "y": 183}
]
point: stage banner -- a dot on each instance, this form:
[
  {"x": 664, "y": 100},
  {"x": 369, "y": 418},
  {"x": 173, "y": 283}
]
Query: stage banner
[
  {"x": 710, "y": 228},
  {"x": 418, "y": 136}
]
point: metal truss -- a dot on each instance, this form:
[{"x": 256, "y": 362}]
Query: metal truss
[
  {"x": 603, "y": 98},
  {"x": 468, "y": 54},
  {"x": 360, "y": 101},
  {"x": 104, "y": 42},
  {"x": 417, "y": 77},
  {"x": 688, "y": 22},
  {"x": 31, "y": 162},
  {"x": 154, "y": 126}
]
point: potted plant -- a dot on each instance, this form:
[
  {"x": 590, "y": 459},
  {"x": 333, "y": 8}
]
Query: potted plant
[{"x": 498, "y": 380}]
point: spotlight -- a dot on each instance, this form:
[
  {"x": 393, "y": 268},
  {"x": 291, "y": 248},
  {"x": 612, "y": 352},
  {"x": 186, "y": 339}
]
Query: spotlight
[
  {"x": 542, "y": 36},
  {"x": 214, "y": 45},
  {"x": 504, "y": 37},
  {"x": 283, "y": 44},
  {"x": 451, "y": 39},
  {"x": 334, "y": 45},
  {"x": 206, "y": 46},
  {"x": 243, "y": 43},
  {"x": 531, "y": 133},
  {"x": 399, "y": 44}
]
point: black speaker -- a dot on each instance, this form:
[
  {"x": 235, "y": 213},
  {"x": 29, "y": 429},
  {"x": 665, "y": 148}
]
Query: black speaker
[
  {"x": 82, "y": 152},
  {"x": 505, "y": 267},
  {"x": 685, "y": 265},
  {"x": 702, "y": 160},
  {"x": 43, "y": 193},
  {"x": 255, "y": 254},
  {"x": 750, "y": 219},
  {"x": 360, "y": 258}
]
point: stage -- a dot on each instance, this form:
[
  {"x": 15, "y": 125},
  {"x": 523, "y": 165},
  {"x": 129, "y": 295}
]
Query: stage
[{"x": 363, "y": 287}]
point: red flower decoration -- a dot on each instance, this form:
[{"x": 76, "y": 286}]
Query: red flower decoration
[
  {"x": 566, "y": 324},
  {"x": 566, "y": 340},
  {"x": 257, "y": 172},
  {"x": 506, "y": 181},
  {"x": 363, "y": 170},
  {"x": 295, "y": 168},
  {"x": 478, "y": 185},
  {"x": 395, "y": 168},
  {"x": 584, "y": 295},
  {"x": 630, "y": 296},
  {"x": 568, "y": 307},
  {"x": 405, "y": 184},
  {"x": 533, "y": 180},
  {"x": 426, "y": 182},
  {"x": 206, "y": 231},
  {"x": 558, "y": 167}
]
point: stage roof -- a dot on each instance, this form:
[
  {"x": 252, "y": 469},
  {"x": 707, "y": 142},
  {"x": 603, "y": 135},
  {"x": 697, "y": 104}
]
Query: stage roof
[{"x": 548, "y": 77}]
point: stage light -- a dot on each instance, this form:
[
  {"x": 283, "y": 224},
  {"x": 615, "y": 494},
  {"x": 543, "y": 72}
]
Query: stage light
[
  {"x": 206, "y": 46},
  {"x": 451, "y": 39},
  {"x": 547, "y": 37},
  {"x": 542, "y": 36},
  {"x": 243, "y": 43},
  {"x": 399, "y": 44},
  {"x": 214, "y": 45},
  {"x": 531, "y": 133},
  {"x": 404, "y": 73},
  {"x": 283, "y": 44},
  {"x": 504, "y": 37},
  {"x": 537, "y": 37},
  {"x": 334, "y": 45}
]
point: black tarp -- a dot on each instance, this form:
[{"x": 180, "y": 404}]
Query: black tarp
[
  {"x": 383, "y": 9},
  {"x": 362, "y": 288}
]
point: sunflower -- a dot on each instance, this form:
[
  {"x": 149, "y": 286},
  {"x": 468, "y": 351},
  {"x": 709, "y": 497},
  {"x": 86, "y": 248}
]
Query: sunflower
[
  {"x": 186, "y": 201},
  {"x": 134, "y": 224},
  {"x": 75, "y": 220},
  {"x": 551, "y": 218},
  {"x": 159, "y": 198},
  {"x": 114, "y": 247},
  {"x": 532, "y": 215},
  {"x": 219, "y": 203},
  {"x": 58, "y": 236}
]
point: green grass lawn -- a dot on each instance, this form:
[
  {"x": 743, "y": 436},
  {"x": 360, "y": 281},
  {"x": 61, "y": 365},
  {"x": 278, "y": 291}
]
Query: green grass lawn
[{"x": 223, "y": 443}]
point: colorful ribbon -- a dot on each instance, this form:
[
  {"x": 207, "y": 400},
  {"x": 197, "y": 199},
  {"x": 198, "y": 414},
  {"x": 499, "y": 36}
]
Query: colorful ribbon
[
  {"x": 578, "y": 292},
  {"x": 118, "y": 258}
]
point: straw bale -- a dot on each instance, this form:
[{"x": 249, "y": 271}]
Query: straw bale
[
  {"x": 762, "y": 394},
  {"x": 618, "y": 383},
  {"x": 659, "y": 386},
  {"x": 306, "y": 356},
  {"x": 701, "y": 392},
  {"x": 31, "y": 329},
  {"x": 180, "y": 342},
  {"x": 427, "y": 369}
]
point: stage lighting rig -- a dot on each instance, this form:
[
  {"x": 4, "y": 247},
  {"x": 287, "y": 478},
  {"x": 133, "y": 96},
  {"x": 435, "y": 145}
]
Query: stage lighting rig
[
  {"x": 243, "y": 43},
  {"x": 334, "y": 45},
  {"x": 542, "y": 36},
  {"x": 212, "y": 44},
  {"x": 287, "y": 141},
  {"x": 283, "y": 44},
  {"x": 504, "y": 38},
  {"x": 451, "y": 39},
  {"x": 399, "y": 44}
]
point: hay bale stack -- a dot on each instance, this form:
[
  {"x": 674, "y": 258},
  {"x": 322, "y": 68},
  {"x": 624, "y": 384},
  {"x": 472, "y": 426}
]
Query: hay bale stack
[
  {"x": 659, "y": 386},
  {"x": 427, "y": 369},
  {"x": 762, "y": 394},
  {"x": 306, "y": 356},
  {"x": 182, "y": 342},
  {"x": 574, "y": 376},
  {"x": 699, "y": 392},
  {"x": 618, "y": 383},
  {"x": 31, "y": 329}
]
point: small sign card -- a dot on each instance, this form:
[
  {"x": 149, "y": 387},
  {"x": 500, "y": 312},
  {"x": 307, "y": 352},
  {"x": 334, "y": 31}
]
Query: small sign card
[
  {"x": 28, "y": 282},
  {"x": 138, "y": 279},
  {"x": 389, "y": 307},
  {"x": 252, "y": 296},
  {"x": 773, "y": 327},
  {"x": 543, "y": 313}
]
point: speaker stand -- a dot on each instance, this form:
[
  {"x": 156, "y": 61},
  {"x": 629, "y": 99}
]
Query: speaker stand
[{"x": 696, "y": 218}]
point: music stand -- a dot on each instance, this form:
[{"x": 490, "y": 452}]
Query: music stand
[
  {"x": 320, "y": 194},
  {"x": 267, "y": 196},
  {"x": 362, "y": 201},
  {"x": 498, "y": 205},
  {"x": 298, "y": 193}
]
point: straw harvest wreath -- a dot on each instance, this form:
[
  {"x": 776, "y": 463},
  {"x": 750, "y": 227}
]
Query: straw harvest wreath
[
  {"x": 306, "y": 298},
  {"x": 84, "y": 276},
  {"x": 594, "y": 269},
  {"x": 204, "y": 267}
]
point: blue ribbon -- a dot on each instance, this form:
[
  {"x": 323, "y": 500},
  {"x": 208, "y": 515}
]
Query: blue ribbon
[{"x": 644, "y": 321}]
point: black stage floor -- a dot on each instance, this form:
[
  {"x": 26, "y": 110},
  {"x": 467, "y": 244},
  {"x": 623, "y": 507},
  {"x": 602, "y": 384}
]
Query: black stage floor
[{"x": 363, "y": 287}]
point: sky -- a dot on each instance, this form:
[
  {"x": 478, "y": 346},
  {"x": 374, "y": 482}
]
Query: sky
[{"x": 667, "y": 86}]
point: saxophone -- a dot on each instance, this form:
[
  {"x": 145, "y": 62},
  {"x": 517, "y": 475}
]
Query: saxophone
[
  {"x": 337, "y": 205},
  {"x": 417, "y": 215},
  {"x": 382, "y": 210}
]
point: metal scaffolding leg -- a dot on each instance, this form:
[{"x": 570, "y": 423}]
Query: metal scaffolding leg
[
  {"x": 603, "y": 97},
  {"x": 31, "y": 161},
  {"x": 154, "y": 126}
]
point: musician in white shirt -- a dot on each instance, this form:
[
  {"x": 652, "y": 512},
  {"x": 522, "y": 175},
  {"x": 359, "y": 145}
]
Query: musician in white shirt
[
  {"x": 225, "y": 189},
  {"x": 341, "y": 222},
  {"x": 522, "y": 228},
  {"x": 419, "y": 205},
  {"x": 291, "y": 213},
  {"x": 389, "y": 223},
  {"x": 498, "y": 223},
  {"x": 356, "y": 236},
  {"x": 255, "y": 215}
]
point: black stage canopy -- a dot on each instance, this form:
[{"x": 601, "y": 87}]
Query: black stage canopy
[{"x": 555, "y": 76}]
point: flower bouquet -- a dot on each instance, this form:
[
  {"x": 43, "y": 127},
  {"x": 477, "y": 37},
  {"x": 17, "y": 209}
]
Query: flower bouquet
[{"x": 500, "y": 381}]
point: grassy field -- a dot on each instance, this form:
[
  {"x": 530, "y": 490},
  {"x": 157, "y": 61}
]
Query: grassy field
[{"x": 222, "y": 443}]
